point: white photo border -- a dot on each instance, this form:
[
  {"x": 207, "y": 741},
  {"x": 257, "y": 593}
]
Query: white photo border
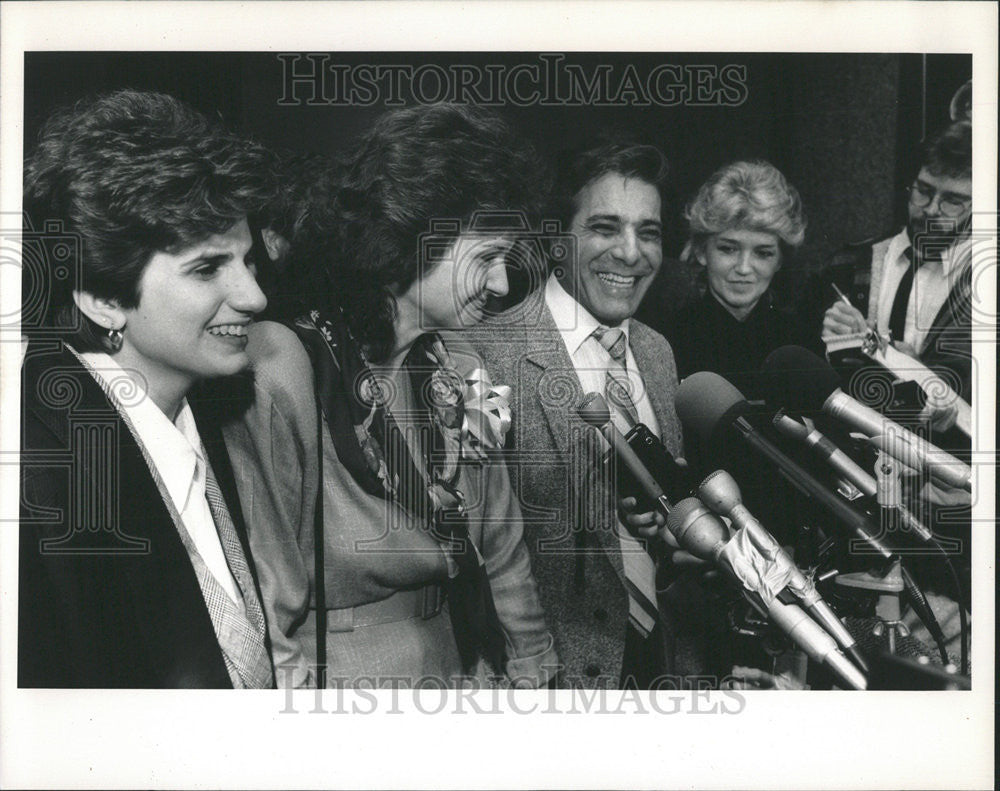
[{"x": 210, "y": 739}]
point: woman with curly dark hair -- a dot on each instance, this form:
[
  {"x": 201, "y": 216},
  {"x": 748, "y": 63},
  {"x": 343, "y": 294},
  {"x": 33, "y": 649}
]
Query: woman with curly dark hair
[
  {"x": 388, "y": 539},
  {"x": 133, "y": 566}
]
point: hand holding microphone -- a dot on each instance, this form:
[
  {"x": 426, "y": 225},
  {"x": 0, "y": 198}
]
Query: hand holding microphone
[
  {"x": 594, "y": 411},
  {"x": 645, "y": 525}
]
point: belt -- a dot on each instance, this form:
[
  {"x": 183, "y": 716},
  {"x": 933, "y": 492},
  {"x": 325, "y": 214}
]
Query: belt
[{"x": 425, "y": 602}]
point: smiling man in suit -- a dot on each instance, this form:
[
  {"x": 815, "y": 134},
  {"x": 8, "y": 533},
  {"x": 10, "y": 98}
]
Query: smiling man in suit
[{"x": 574, "y": 335}]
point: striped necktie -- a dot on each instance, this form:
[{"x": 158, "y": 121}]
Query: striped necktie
[
  {"x": 617, "y": 386},
  {"x": 640, "y": 571}
]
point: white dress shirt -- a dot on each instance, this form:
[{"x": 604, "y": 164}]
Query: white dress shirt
[
  {"x": 176, "y": 451},
  {"x": 590, "y": 359},
  {"x": 932, "y": 283}
]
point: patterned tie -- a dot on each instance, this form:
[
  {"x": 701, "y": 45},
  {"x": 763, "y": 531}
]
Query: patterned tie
[
  {"x": 239, "y": 626},
  {"x": 617, "y": 384},
  {"x": 897, "y": 317},
  {"x": 640, "y": 571}
]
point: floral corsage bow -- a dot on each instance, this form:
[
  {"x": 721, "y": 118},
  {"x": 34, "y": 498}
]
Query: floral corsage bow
[{"x": 469, "y": 408}]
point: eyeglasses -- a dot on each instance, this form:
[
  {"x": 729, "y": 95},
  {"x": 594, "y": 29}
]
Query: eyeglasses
[{"x": 949, "y": 204}]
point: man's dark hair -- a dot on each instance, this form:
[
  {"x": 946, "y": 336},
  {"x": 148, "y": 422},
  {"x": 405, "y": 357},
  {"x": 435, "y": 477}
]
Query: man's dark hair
[
  {"x": 949, "y": 151},
  {"x": 414, "y": 166},
  {"x": 579, "y": 168},
  {"x": 132, "y": 173}
]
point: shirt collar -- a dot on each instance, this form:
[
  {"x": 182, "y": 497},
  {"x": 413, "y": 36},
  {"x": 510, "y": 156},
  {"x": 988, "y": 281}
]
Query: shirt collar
[
  {"x": 174, "y": 447},
  {"x": 897, "y": 247},
  {"x": 574, "y": 322},
  {"x": 952, "y": 259}
]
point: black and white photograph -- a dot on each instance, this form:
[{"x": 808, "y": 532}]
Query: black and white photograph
[{"x": 539, "y": 377}]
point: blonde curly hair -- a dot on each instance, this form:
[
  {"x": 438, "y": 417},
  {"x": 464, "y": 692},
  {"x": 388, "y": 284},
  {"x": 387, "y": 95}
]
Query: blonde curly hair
[{"x": 751, "y": 195}]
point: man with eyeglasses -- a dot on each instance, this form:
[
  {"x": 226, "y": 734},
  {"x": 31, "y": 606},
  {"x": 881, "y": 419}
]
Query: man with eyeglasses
[{"x": 916, "y": 285}]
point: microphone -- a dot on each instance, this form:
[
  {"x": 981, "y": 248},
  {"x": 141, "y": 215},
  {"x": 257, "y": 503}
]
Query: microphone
[
  {"x": 856, "y": 476},
  {"x": 703, "y": 534},
  {"x": 803, "y": 382},
  {"x": 823, "y": 448},
  {"x": 708, "y": 405},
  {"x": 720, "y": 492},
  {"x": 594, "y": 411}
]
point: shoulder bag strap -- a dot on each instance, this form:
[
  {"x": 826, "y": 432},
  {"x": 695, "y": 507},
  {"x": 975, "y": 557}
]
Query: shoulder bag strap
[{"x": 319, "y": 567}]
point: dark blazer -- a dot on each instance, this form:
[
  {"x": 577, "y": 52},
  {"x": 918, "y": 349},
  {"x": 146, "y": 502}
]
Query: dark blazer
[
  {"x": 107, "y": 594},
  {"x": 575, "y": 556}
]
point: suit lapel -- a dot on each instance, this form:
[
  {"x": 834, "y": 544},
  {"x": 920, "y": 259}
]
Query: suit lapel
[
  {"x": 555, "y": 384},
  {"x": 209, "y": 413},
  {"x": 955, "y": 309},
  {"x": 652, "y": 370},
  {"x": 879, "y": 251},
  {"x": 660, "y": 377},
  {"x": 561, "y": 414}
]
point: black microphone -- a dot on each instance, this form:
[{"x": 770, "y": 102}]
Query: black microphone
[
  {"x": 709, "y": 406},
  {"x": 703, "y": 534},
  {"x": 722, "y": 494},
  {"x": 801, "y": 381},
  {"x": 594, "y": 411},
  {"x": 674, "y": 479}
]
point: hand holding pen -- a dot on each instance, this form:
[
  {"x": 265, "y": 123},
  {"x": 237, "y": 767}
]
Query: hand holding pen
[{"x": 842, "y": 318}]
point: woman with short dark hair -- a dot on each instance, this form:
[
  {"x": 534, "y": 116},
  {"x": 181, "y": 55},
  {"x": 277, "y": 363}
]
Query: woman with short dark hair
[
  {"x": 387, "y": 535},
  {"x": 133, "y": 566}
]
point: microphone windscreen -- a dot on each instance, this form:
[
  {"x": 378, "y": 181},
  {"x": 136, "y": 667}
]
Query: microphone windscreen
[
  {"x": 594, "y": 410},
  {"x": 696, "y": 529},
  {"x": 702, "y": 400},
  {"x": 797, "y": 380}
]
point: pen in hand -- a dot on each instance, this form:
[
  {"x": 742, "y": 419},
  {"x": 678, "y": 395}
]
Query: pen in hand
[
  {"x": 841, "y": 295},
  {"x": 839, "y": 322}
]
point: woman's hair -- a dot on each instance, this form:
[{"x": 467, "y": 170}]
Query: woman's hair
[
  {"x": 751, "y": 195},
  {"x": 302, "y": 180},
  {"x": 129, "y": 174},
  {"x": 416, "y": 167}
]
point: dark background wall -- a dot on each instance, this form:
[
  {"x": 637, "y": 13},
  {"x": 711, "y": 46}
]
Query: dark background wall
[{"x": 842, "y": 127}]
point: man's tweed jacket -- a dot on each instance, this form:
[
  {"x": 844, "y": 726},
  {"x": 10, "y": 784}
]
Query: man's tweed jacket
[{"x": 575, "y": 554}]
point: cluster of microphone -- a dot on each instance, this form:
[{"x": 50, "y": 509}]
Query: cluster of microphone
[{"x": 712, "y": 523}]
